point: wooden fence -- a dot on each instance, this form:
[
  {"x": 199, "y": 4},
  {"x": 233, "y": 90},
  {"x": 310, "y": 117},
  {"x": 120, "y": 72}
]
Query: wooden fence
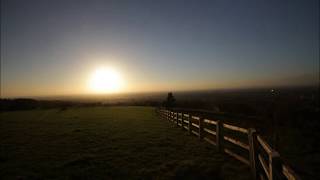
[{"x": 265, "y": 162}]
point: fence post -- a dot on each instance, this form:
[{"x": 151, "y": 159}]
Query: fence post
[
  {"x": 175, "y": 115},
  {"x": 182, "y": 126},
  {"x": 167, "y": 114},
  {"x": 219, "y": 136},
  {"x": 274, "y": 164},
  {"x": 189, "y": 124},
  {"x": 178, "y": 117},
  {"x": 163, "y": 113},
  {"x": 200, "y": 127},
  {"x": 252, "y": 135}
]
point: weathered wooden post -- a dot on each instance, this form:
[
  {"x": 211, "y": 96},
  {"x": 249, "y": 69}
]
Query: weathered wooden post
[
  {"x": 219, "y": 136},
  {"x": 200, "y": 127},
  {"x": 274, "y": 164},
  {"x": 252, "y": 135}
]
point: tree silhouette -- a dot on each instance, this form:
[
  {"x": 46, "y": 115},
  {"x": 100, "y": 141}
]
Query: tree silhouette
[{"x": 170, "y": 101}]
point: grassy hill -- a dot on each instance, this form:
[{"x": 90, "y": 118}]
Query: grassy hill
[{"x": 105, "y": 143}]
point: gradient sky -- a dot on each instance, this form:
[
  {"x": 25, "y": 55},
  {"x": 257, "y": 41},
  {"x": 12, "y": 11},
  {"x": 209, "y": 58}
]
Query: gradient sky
[{"x": 52, "y": 47}]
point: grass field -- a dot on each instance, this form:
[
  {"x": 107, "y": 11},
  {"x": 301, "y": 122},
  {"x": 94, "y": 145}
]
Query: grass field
[{"x": 106, "y": 143}]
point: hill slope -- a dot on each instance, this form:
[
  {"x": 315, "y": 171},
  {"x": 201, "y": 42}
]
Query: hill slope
[{"x": 106, "y": 143}]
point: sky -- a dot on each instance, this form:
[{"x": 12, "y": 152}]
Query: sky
[{"x": 53, "y": 47}]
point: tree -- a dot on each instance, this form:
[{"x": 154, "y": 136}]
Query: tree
[{"x": 170, "y": 101}]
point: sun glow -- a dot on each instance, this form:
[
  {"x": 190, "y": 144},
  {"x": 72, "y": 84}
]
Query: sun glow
[{"x": 105, "y": 80}]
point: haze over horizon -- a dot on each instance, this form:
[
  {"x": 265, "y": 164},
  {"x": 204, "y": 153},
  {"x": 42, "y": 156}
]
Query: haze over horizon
[{"x": 96, "y": 47}]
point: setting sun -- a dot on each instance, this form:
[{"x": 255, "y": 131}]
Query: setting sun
[{"x": 105, "y": 80}]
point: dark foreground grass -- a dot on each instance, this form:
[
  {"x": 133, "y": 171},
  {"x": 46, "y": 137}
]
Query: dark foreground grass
[{"x": 106, "y": 143}]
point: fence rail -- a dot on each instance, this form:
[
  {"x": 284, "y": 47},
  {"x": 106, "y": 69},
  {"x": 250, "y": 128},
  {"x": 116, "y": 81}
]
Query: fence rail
[{"x": 265, "y": 162}]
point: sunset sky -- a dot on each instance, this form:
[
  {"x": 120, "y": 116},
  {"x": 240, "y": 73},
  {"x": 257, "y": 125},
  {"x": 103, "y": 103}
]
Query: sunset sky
[{"x": 56, "y": 47}]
